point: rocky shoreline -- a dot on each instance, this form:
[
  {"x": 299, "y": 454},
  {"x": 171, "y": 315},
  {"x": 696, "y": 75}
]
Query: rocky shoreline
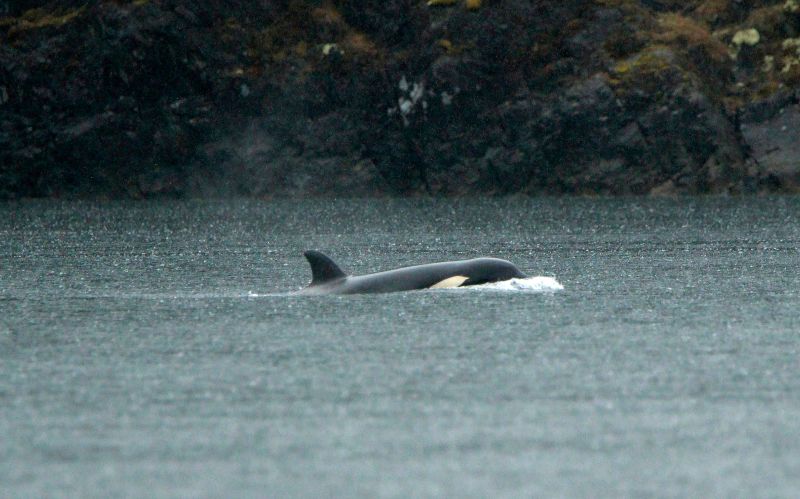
[{"x": 315, "y": 98}]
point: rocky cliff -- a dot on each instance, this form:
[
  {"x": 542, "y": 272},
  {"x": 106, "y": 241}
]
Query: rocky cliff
[{"x": 398, "y": 97}]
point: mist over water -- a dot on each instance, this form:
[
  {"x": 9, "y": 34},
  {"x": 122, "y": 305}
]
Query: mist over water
[{"x": 157, "y": 350}]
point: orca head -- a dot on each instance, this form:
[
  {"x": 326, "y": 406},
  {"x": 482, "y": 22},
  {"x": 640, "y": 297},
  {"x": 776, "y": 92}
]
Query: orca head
[{"x": 486, "y": 270}]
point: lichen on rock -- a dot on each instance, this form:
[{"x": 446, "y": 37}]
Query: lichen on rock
[{"x": 744, "y": 38}]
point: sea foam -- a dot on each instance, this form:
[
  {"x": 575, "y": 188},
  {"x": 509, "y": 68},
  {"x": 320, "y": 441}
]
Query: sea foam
[{"x": 537, "y": 284}]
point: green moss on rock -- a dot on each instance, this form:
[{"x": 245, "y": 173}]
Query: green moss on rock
[{"x": 34, "y": 19}]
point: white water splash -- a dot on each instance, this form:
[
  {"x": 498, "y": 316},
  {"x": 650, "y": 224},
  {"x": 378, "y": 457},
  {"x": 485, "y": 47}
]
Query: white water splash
[{"x": 537, "y": 284}]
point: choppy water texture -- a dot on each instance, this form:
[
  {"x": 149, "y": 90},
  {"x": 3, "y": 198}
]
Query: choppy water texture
[{"x": 151, "y": 349}]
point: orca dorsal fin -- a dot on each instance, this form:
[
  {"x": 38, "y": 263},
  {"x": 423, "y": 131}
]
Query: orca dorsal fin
[{"x": 323, "y": 269}]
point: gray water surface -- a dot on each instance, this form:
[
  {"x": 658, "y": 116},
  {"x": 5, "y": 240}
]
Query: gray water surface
[{"x": 152, "y": 350}]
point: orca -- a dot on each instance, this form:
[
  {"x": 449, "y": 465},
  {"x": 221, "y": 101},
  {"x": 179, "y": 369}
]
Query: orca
[{"x": 328, "y": 278}]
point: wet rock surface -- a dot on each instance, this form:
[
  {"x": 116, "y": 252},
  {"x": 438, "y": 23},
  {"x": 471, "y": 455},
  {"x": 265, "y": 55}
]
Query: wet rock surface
[
  {"x": 771, "y": 130},
  {"x": 292, "y": 98}
]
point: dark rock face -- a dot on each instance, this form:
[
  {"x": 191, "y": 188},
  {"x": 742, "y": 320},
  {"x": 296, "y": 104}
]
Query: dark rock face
[
  {"x": 107, "y": 100},
  {"x": 292, "y": 98},
  {"x": 771, "y": 130}
]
